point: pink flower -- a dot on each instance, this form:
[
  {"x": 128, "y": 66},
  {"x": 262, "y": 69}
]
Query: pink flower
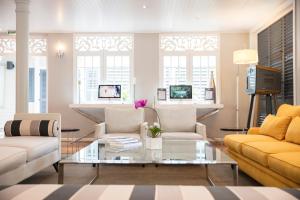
[{"x": 141, "y": 103}]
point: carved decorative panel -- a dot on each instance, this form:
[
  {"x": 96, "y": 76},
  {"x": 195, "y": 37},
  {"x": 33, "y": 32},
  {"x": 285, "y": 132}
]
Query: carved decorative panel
[
  {"x": 189, "y": 42},
  {"x": 99, "y": 43},
  {"x": 7, "y": 45},
  {"x": 36, "y": 46}
]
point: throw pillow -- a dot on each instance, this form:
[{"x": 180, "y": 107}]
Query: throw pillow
[{"x": 275, "y": 127}]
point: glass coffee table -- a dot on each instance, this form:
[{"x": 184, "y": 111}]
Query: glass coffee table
[{"x": 173, "y": 152}]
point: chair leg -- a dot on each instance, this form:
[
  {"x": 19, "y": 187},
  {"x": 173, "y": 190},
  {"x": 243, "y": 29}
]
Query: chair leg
[{"x": 55, "y": 165}]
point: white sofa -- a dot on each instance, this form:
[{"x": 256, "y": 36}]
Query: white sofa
[
  {"x": 122, "y": 122},
  {"x": 180, "y": 123},
  {"x": 23, "y": 156}
]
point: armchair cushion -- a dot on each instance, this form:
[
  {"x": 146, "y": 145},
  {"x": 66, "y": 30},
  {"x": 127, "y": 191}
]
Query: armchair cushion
[
  {"x": 120, "y": 120},
  {"x": 31, "y": 128},
  {"x": 177, "y": 119}
]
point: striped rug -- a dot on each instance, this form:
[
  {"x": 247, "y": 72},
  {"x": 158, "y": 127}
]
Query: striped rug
[{"x": 144, "y": 192}]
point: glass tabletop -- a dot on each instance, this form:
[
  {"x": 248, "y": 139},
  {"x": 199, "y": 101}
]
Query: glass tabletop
[{"x": 172, "y": 152}]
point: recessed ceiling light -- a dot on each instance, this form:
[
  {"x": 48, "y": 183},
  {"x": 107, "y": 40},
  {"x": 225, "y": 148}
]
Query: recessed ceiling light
[{"x": 144, "y": 6}]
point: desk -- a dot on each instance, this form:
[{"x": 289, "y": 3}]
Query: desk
[{"x": 95, "y": 112}]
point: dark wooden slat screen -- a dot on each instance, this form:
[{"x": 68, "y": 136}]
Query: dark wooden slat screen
[{"x": 275, "y": 49}]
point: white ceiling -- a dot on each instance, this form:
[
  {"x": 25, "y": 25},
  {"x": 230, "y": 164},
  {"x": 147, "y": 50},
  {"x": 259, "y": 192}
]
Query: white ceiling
[{"x": 130, "y": 16}]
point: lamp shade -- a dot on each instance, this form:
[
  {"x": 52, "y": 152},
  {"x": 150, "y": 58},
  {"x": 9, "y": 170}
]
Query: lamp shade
[{"x": 245, "y": 56}]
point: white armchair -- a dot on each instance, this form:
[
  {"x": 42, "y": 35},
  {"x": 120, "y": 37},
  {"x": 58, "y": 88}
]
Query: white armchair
[
  {"x": 122, "y": 122},
  {"x": 181, "y": 123}
]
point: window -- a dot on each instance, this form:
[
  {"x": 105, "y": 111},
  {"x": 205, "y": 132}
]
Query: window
[
  {"x": 275, "y": 49},
  {"x": 188, "y": 59},
  {"x": 103, "y": 59},
  {"x": 37, "y": 73}
]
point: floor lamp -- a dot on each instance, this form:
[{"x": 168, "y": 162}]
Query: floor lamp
[{"x": 242, "y": 57}]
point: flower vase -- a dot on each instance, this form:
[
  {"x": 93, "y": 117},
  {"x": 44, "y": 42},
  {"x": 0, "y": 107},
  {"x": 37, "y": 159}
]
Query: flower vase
[{"x": 154, "y": 143}]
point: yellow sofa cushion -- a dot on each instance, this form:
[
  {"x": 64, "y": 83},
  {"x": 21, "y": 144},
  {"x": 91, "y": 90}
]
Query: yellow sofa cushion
[
  {"x": 275, "y": 126},
  {"x": 288, "y": 110},
  {"x": 235, "y": 141},
  {"x": 253, "y": 131},
  {"x": 293, "y": 131},
  {"x": 286, "y": 164},
  {"x": 259, "y": 151}
]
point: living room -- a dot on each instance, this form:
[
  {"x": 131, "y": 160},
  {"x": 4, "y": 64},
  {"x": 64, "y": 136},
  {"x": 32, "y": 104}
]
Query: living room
[{"x": 149, "y": 98}]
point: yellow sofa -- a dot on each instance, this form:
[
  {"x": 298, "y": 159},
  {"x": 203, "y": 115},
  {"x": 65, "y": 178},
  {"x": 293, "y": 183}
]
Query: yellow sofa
[{"x": 269, "y": 161}]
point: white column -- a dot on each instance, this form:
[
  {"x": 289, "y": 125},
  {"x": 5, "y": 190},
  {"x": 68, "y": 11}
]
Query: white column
[
  {"x": 22, "y": 35},
  {"x": 297, "y": 50}
]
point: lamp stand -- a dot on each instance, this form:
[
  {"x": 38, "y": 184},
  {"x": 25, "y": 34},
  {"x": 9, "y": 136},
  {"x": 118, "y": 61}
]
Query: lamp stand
[{"x": 237, "y": 98}]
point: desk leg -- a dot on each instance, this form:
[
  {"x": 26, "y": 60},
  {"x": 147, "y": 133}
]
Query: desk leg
[
  {"x": 60, "y": 173},
  {"x": 97, "y": 174},
  {"x": 207, "y": 176},
  {"x": 235, "y": 170}
]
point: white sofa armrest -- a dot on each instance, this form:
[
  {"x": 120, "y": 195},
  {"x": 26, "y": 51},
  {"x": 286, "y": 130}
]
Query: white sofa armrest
[
  {"x": 201, "y": 129},
  {"x": 144, "y": 130},
  {"x": 100, "y": 130}
]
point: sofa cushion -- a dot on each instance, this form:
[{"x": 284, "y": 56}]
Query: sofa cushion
[
  {"x": 293, "y": 132},
  {"x": 259, "y": 151},
  {"x": 31, "y": 128},
  {"x": 288, "y": 110},
  {"x": 182, "y": 135},
  {"x": 275, "y": 126},
  {"x": 286, "y": 164},
  {"x": 178, "y": 119},
  {"x": 234, "y": 142},
  {"x": 35, "y": 146},
  {"x": 11, "y": 158},
  {"x": 123, "y": 120}
]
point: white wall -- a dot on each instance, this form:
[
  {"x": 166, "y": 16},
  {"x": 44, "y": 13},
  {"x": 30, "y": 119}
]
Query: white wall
[
  {"x": 146, "y": 52},
  {"x": 227, "y": 116},
  {"x": 146, "y": 63},
  {"x": 60, "y": 84}
]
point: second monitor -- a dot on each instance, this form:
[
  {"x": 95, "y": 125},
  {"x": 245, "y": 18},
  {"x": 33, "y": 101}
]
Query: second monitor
[{"x": 181, "y": 92}]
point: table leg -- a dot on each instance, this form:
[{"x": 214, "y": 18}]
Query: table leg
[
  {"x": 60, "y": 173},
  {"x": 207, "y": 176},
  {"x": 235, "y": 170},
  {"x": 97, "y": 174}
]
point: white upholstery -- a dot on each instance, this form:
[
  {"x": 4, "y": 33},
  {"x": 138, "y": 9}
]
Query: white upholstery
[
  {"x": 35, "y": 146},
  {"x": 11, "y": 158},
  {"x": 39, "y": 151},
  {"x": 123, "y": 120},
  {"x": 177, "y": 119},
  {"x": 182, "y": 135},
  {"x": 181, "y": 123}
]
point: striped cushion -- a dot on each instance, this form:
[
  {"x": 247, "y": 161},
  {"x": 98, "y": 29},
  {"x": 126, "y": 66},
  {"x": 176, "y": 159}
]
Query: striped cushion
[{"x": 31, "y": 128}]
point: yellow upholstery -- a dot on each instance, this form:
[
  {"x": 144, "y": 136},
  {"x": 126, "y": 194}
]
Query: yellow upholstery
[
  {"x": 270, "y": 161},
  {"x": 293, "y": 132},
  {"x": 275, "y": 126},
  {"x": 288, "y": 110},
  {"x": 261, "y": 174},
  {"x": 253, "y": 131},
  {"x": 259, "y": 151},
  {"x": 235, "y": 141},
  {"x": 286, "y": 164}
]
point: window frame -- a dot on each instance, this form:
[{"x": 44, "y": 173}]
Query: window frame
[
  {"x": 103, "y": 65},
  {"x": 189, "y": 63}
]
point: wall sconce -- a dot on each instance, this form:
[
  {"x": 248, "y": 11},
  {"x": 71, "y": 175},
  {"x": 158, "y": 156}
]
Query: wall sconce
[{"x": 60, "y": 50}]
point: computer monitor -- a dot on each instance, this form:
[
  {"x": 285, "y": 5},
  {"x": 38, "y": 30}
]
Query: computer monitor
[
  {"x": 109, "y": 91},
  {"x": 181, "y": 92}
]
